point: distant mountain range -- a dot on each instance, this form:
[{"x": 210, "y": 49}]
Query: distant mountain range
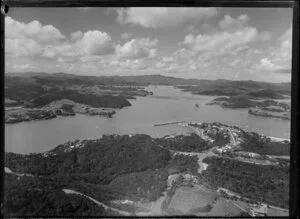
[
  {"x": 154, "y": 79},
  {"x": 218, "y": 87}
]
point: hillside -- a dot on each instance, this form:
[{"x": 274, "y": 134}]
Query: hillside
[
  {"x": 29, "y": 197},
  {"x": 140, "y": 168},
  {"x": 32, "y": 89},
  {"x": 199, "y": 85},
  {"x": 37, "y": 96},
  {"x": 30, "y": 85},
  {"x": 264, "y": 183},
  {"x": 190, "y": 143},
  {"x": 233, "y": 88},
  {"x": 113, "y": 167},
  {"x": 39, "y": 91},
  {"x": 267, "y": 94}
]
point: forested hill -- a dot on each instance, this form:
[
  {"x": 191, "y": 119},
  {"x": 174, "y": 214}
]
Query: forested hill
[
  {"x": 155, "y": 80},
  {"x": 111, "y": 168},
  {"x": 48, "y": 87}
]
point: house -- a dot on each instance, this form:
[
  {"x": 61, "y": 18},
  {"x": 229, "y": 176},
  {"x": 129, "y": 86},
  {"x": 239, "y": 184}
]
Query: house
[
  {"x": 259, "y": 211},
  {"x": 127, "y": 202},
  {"x": 218, "y": 150},
  {"x": 252, "y": 154}
]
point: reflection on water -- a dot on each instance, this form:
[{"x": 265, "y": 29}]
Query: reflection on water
[{"x": 39, "y": 136}]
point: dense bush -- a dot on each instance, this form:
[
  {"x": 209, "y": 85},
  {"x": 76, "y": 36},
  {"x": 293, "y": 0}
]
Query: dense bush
[
  {"x": 266, "y": 93},
  {"x": 23, "y": 92},
  {"x": 88, "y": 99},
  {"x": 110, "y": 168},
  {"x": 148, "y": 185},
  {"x": 239, "y": 101},
  {"x": 32, "y": 197},
  {"x": 220, "y": 139},
  {"x": 110, "y": 156},
  {"x": 253, "y": 143},
  {"x": 265, "y": 183},
  {"x": 183, "y": 163},
  {"x": 190, "y": 143}
]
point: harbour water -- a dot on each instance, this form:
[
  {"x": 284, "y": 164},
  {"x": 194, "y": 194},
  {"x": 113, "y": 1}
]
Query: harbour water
[{"x": 167, "y": 104}]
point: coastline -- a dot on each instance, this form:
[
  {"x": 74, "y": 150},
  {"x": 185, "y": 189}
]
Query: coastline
[
  {"x": 276, "y": 139},
  {"x": 187, "y": 177},
  {"x": 259, "y": 112},
  {"x": 185, "y": 124},
  {"x": 55, "y": 109}
]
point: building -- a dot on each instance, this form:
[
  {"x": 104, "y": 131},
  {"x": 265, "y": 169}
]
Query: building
[{"x": 261, "y": 210}]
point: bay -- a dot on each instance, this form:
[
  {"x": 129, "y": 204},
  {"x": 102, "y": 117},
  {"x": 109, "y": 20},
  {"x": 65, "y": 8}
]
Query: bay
[{"x": 168, "y": 104}]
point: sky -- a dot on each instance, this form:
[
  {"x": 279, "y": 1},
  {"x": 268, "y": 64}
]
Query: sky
[{"x": 196, "y": 42}]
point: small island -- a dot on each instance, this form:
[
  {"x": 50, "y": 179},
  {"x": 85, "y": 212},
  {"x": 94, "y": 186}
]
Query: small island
[
  {"x": 286, "y": 115},
  {"x": 261, "y": 98},
  {"x": 258, "y": 107}
]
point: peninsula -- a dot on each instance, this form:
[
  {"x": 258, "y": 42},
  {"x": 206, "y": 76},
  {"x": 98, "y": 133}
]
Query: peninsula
[
  {"x": 33, "y": 96},
  {"x": 122, "y": 175}
]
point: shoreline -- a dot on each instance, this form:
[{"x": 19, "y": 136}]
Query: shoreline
[
  {"x": 185, "y": 124},
  {"x": 20, "y": 115},
  {"x": 277, "y": 139},
  {"x": 261, "y": 113}
]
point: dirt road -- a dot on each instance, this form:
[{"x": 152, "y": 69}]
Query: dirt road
[{"x": 69, "y": 191}]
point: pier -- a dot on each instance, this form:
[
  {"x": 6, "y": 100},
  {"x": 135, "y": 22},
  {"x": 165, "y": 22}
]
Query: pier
[{"x": 168, "y": 123}]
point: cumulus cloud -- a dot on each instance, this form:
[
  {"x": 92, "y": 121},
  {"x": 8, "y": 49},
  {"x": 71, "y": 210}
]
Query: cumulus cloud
[
  {"x": 137, "y": 48},
  {"x": 33, "y": 30},
  {"x": 95, "y": 43},
  {"x": 229, "y": 23},
  {"x": 163, "y": 17},
  {"x": 130, "y": 64},
  {"x": 222, "y": 41},
  {"x": 126, "y": 35},
  {"x": 284, "y": 52},
  {"x": 22, "y": 47},
  {"x": 234, "y": 34},
  {"x": 28, "y": 39},
  {"x": 220, "y": 50},
  {"x": 23, "y": 67},
  {"x": 267, "y": 63},
  {"x": 90, "y": 43},
  {"x": 167, "y": 59},
  {"x": 280, "y": 57},
  {"x": 76, "y": 35},
  {"x": 34, "y": 39}
]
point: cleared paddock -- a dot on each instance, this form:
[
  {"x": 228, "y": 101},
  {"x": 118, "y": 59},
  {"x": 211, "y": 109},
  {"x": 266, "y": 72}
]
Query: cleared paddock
[{"x": 193, "y": 199}]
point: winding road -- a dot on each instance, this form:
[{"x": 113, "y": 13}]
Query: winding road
[
  {"x": 69, "y": 191},
  {"x": 232, "y": 137},
  {"x": 201, "y": 156},
  {"x": 7, "y": 170}
]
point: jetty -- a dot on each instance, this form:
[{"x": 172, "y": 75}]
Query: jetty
[{"x": 168, "y": 123}]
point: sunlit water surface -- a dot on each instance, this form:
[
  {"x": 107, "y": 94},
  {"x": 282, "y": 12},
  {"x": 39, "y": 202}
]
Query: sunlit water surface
[{"x": 168, "y": 104}]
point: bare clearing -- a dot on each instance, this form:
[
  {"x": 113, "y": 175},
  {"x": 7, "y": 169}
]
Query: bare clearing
[
  {"x": 153, "y": 208},
  {"x": 224, "y": 207},
  {"x": 186, "y": 199}
]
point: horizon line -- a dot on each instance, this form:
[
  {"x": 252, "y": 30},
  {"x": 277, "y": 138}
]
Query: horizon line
[{"x": 52, "y": 73}]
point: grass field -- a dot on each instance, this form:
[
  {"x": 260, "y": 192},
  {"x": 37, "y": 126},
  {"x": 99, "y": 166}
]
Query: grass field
[
  {"x": 224, "y": 208},
  {"x": 186, "y": 199},
  {"x": 277, "y": 212},
  {"x": 150, "y": 208}
]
